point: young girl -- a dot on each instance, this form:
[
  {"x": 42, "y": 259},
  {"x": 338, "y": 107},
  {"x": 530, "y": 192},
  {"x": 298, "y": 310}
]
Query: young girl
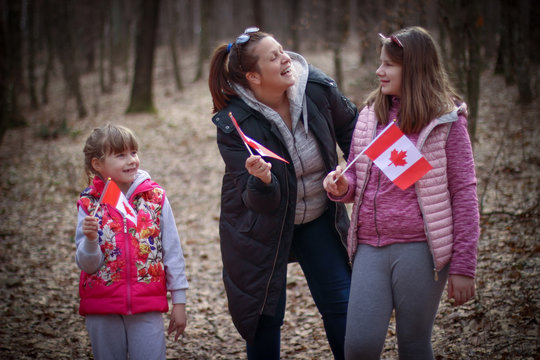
[
  {"x": 405, "y": 244},
  {"x": 127, "y": 268}
]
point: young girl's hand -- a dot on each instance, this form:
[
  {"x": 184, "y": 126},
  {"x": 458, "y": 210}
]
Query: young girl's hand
[
  {"x": 460, "y": 288},
  {"x": 90, "y": 227},
  {"x": 336, "y": 188},
  {"x": 256, "y": 166},
  {"x": 178, "y": 320}
]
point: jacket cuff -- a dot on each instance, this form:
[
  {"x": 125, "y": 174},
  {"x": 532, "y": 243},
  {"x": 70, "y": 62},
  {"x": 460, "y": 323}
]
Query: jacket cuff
[{"x": 178, "y": 296}]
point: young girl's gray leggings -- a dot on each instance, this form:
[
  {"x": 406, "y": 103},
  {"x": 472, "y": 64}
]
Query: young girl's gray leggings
[
  {"x": 142, "y": 336},
  {"x": 400, "y": 277}
]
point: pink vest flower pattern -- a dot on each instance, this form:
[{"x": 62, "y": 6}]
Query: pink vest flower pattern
[
  {"x": 432, "y": 189},
  {"x": 132, "y": 278}
]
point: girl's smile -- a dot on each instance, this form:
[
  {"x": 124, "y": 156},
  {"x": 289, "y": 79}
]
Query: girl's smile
[{"x": 389, "y": 73}]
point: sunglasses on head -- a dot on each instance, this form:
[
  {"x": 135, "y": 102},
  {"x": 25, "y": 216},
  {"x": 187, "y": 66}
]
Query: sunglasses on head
[
  {"x": 246, "y": 35},
  {"x": 393, "y": 38}
]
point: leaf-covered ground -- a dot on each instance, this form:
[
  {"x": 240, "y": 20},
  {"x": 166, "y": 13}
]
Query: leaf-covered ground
[{"x": 41, "y": 179}]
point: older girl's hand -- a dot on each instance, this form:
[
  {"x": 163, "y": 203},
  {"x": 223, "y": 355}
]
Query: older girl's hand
[
  {"x": 460, "y": 288},
  {"x": 256, "y": 166},
  {"x": 335, "y": 187}
]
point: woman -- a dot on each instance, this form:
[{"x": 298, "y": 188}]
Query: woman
[{"x": 273, "y": 211}]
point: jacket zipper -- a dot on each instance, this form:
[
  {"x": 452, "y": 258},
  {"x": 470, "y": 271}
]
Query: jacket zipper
[
  {"x": 278, "y": 246},
  {"x": 435, "y": 272},
  {"x": 375, "y": 208},
  {"x": 128, "y": 267}
]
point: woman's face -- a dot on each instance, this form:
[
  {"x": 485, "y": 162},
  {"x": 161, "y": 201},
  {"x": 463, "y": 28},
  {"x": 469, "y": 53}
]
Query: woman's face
[
  {"x": 275, "y": 67},
  {"x": 389, "y": 74}
]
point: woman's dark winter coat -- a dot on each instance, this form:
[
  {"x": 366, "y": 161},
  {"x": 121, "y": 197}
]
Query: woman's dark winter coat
[{"x": 257, "y": 220}]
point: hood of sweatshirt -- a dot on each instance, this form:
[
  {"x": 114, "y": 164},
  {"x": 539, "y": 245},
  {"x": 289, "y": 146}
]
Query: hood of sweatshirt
[{"x": 295, "y": 93}]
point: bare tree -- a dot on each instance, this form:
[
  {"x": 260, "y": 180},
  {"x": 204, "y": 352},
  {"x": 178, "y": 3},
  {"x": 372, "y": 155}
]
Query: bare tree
[
  {"x": 46, "y": 25},
  {"x": 65, "y": 49},
  {"x": 204, "y": 41},
  {"x": 171, "y": 13},
  {"x": 294, "y": 21},
  {"x": 10, "y": 66},
  {"x": 337, "y": 31},
  {"x": 463, "y": 22},
  {"x": 31, "y": 36},
  {"x": 141, "y": 90}
]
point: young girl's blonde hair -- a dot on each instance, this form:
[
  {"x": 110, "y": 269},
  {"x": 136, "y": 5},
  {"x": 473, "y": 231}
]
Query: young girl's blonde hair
[
  {"x": 426, "y": 92},
  {"x": 106, "y": 140}
]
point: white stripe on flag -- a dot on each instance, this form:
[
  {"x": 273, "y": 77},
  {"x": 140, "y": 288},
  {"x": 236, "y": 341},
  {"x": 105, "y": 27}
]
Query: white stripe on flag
[{"x": 384, "y": 161}]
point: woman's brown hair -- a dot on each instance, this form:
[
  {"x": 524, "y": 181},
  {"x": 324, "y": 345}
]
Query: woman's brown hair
[
  {"x": 426, "y": 92},
  {"x": 229, "y": 64}
]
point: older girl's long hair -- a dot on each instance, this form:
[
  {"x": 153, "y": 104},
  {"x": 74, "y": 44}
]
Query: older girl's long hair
[
  {"x": 229, "y": 65},
  {"x": 426, "y": 92}
]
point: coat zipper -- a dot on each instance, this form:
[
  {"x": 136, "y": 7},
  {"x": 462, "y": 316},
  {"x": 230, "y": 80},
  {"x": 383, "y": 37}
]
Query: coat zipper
[
  {"x": 278, "y": 246},
  {"x": 128, "y": 267}
]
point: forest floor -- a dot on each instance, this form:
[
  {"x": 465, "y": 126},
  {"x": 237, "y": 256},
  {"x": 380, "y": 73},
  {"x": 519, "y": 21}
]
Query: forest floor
[{"x": 42, "y": 177}]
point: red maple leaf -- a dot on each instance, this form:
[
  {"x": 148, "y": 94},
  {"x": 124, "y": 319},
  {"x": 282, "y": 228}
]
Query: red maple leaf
[{"x": 398, "y": 157}]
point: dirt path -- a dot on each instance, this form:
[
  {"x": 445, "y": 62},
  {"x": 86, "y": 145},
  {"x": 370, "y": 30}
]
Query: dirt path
[{"x": 42, "y": 178}]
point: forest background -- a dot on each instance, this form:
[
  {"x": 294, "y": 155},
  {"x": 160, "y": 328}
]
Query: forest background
[{"x": 69, "y": 66}]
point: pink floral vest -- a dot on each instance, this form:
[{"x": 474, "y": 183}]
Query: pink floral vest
[
  {"x": 132, "y": 278},
  {"x": 432, "y": 189}
]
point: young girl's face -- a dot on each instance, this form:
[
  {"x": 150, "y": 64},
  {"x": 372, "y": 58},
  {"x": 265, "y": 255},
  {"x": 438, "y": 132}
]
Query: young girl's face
[
  {"x": 389, "y": 74},
  {"x": 121, "y": 167}
]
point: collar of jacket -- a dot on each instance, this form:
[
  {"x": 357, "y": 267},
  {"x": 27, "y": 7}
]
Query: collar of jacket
[{"x": 242, "y": 110}]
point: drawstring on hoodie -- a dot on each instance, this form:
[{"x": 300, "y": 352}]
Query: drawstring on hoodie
[{"x": 304, "y": 114}]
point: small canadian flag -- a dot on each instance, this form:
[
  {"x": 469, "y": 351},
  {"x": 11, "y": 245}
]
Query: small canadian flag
[
  {"x": 397, "y": 157},
  {"x": 113, "y": 196}
]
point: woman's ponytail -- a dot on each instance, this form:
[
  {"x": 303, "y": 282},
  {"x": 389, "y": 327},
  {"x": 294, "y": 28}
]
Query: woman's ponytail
[{"x": 220, "y": 88}]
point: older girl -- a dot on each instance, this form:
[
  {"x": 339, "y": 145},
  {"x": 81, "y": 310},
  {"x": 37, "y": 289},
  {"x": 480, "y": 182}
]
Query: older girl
[{"x": 406, "y": 243}]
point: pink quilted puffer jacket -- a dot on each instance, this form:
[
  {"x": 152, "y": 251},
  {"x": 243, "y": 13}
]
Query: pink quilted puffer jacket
[{"x": 447, "y": 244}]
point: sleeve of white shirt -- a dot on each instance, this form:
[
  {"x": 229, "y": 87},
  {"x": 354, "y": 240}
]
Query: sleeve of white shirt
[
  {"x": 173, "y": 256},
  {"x": 89, "y": 257}
]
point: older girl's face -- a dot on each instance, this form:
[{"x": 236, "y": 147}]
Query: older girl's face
[
  {"x": 275, "y": 67},
  {"x": 389, "y": 74}
]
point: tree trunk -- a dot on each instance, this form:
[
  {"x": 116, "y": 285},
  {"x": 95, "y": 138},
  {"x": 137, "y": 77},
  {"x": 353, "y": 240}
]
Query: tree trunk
[
  {"x": 4, "y": 72},
  {"x": 294, "y": 15},
  {"x": 463, "y": 23},
  {"x": 49, "y": 45},
  {"x": 173, "y": 43},
  {"x": 523, "y": 66},
  {"x": 31, "y": 68},
  {"x": 258, "y": 12},
  {"x": 337, "y": 30},
  {"x": 66, "y": 53},
  {"x": 204, "y": 51},
  {"x": 13, "y": 65},
  {"x": 141, "y": 91}
]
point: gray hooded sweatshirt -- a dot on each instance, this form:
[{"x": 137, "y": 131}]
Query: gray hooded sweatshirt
[{"x": 311, "y": 199}]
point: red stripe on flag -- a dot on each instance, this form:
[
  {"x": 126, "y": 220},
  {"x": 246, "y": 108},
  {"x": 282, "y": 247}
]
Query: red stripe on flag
[
  {"x": 413, "y": 173},
  {"x": 112, "y": 193},
  {"x": 385, "y": 140}
]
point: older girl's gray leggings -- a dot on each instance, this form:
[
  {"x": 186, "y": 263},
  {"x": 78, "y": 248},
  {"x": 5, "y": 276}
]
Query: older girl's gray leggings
[{"x": 400, "y": 277}]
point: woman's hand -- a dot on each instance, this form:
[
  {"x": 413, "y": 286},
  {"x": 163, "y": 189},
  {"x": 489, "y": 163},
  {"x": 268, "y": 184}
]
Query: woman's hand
[
  {"x": 335, "y": 187},
  {"x": 256, "y": 166},
  {"x": 90, "y": 227},
  {"x": 460, "y": 288}
]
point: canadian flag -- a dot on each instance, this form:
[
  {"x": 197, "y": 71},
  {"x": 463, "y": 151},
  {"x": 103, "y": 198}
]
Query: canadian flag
[
  {"x": 113, "y": 196},
  {"x": 397, "y": 157},
  {"x": 255, "y": 145}
]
